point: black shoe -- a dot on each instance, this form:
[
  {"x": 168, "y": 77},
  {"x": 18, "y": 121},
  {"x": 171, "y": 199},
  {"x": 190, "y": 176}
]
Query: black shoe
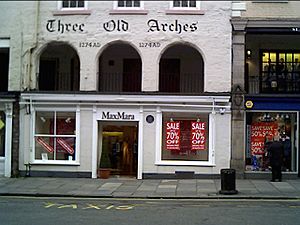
[
  {"x": 279, "y": 180},
  {"x": 272, "y": 180}
]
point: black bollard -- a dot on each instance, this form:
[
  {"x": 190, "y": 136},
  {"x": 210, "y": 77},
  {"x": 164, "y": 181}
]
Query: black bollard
[{"x": 228, "y": 182}]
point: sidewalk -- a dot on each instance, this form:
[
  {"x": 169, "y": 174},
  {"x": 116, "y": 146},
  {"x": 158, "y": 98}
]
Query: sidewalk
[{"x": 132, "y": 188}]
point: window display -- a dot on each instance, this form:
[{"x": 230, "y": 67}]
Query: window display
[
  {"x": 185, "y": 137},
  {"x": 261, "y": 129},
  {"x": 55, "y": 136}
]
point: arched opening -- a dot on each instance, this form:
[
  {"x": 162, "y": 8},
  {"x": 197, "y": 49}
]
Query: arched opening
[
  {"x": 4, "y": 68},
  {"x": 120, "y": 69},
  {"x": 181, "y": 70},
  {"x": 59, "y": 68}
]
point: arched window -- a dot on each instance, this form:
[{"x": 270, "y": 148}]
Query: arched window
[
  {"x": 59, "y": 68},
  {"x": 120, "y": 69},
  {"x": 181, "y": 70},
  {"x": 4, "y": 67}
]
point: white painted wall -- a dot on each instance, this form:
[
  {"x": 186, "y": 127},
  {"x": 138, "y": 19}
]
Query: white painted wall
[{"x": 212, "y": 39}]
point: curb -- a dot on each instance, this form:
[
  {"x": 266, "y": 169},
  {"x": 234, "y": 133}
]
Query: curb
[{"x": 219, "y": 197}]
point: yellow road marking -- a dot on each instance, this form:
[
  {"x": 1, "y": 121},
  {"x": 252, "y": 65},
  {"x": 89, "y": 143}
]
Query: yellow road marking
[{"x": 74, "y": 206}]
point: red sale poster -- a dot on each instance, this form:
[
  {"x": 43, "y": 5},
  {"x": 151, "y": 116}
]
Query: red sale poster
[
  {"x": 259, "y": 131},
  {"x": 173, "y": 135},
  {"x": 64, "y": 127},
  {"x": 198, "y": 135}
]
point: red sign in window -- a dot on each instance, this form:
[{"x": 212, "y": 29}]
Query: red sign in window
[
  {"x": 198, "y": 135},
  {"x": 259, "y": 132},
  {"x": 173, "y": 135}
]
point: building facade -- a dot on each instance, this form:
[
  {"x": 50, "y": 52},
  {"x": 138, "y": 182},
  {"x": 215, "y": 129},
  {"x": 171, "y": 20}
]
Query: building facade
[
  {"x": 265, "y": 85},
  {"x": 10, "y": 73},
  {"x": 141, "y": 86}
]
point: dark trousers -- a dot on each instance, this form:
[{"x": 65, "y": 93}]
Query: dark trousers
[{"x": 276, "y": 173}]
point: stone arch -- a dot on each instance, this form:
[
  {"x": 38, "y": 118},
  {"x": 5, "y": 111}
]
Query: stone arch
[
  {"x": 59, "y": 67},
  {"x": 181, "y": 69},
  {"x": 119, "y": 68}
]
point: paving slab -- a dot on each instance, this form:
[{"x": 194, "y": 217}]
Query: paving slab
[
  {"x": 284, "y": 187},
  {"x": 109, "y": 186},
  {"x": 187, "y": 181},
  {"x": 264, "y": 186},
  {"x": 148, "y": 187}
]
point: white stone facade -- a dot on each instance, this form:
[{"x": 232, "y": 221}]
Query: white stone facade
[{"x": 33, "y": 26}]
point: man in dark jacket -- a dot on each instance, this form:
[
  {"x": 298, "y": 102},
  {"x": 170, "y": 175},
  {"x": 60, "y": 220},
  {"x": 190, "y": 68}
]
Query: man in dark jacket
[{"x": 276, "y": 157}]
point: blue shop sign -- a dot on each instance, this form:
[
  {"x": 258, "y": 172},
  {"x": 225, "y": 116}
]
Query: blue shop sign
[{"x": 272, "y": 103}]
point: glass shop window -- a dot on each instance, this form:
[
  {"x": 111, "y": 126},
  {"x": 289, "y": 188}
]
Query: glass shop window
[
  {"x": 2, "y": 134},
  {"x": 55, "y": 136},
  {"x": 261, "y": 128},
  {"x": 185, "y": 137}
]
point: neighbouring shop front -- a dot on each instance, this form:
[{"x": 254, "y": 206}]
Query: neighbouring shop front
[
  {"x": 269, "y": 68},
  {"x": 6, "y": 116},
  {"x": 266, "y": 117}
]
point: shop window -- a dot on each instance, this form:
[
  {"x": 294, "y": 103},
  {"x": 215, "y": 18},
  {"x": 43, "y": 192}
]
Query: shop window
[
  {"x": 2, "y": 134},
  {"x": 280, "y": 72},
  {"x": 185, "y": 138},
  {"x": 55, "y": 136},
  {"x": 261, "y": 128},
  {"x": 59, "y": 68}
]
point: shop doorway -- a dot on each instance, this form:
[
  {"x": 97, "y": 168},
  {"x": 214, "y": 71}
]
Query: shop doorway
[{"x": 119, "y": 146}]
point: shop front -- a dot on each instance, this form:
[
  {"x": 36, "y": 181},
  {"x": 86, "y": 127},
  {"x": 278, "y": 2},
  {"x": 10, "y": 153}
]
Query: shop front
[
  {"x": 145, "y": 137},
  {"x": 164, "y": 136},
  {"x": 265, "y": 118},
  {"x": 268, "y": 73}
]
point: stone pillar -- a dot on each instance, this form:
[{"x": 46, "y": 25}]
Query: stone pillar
[{"x": 238, "y": 86}]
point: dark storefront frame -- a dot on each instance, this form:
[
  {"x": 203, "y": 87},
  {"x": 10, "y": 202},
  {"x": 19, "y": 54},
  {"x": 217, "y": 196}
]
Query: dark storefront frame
[{"x": 280, "y": 104}]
